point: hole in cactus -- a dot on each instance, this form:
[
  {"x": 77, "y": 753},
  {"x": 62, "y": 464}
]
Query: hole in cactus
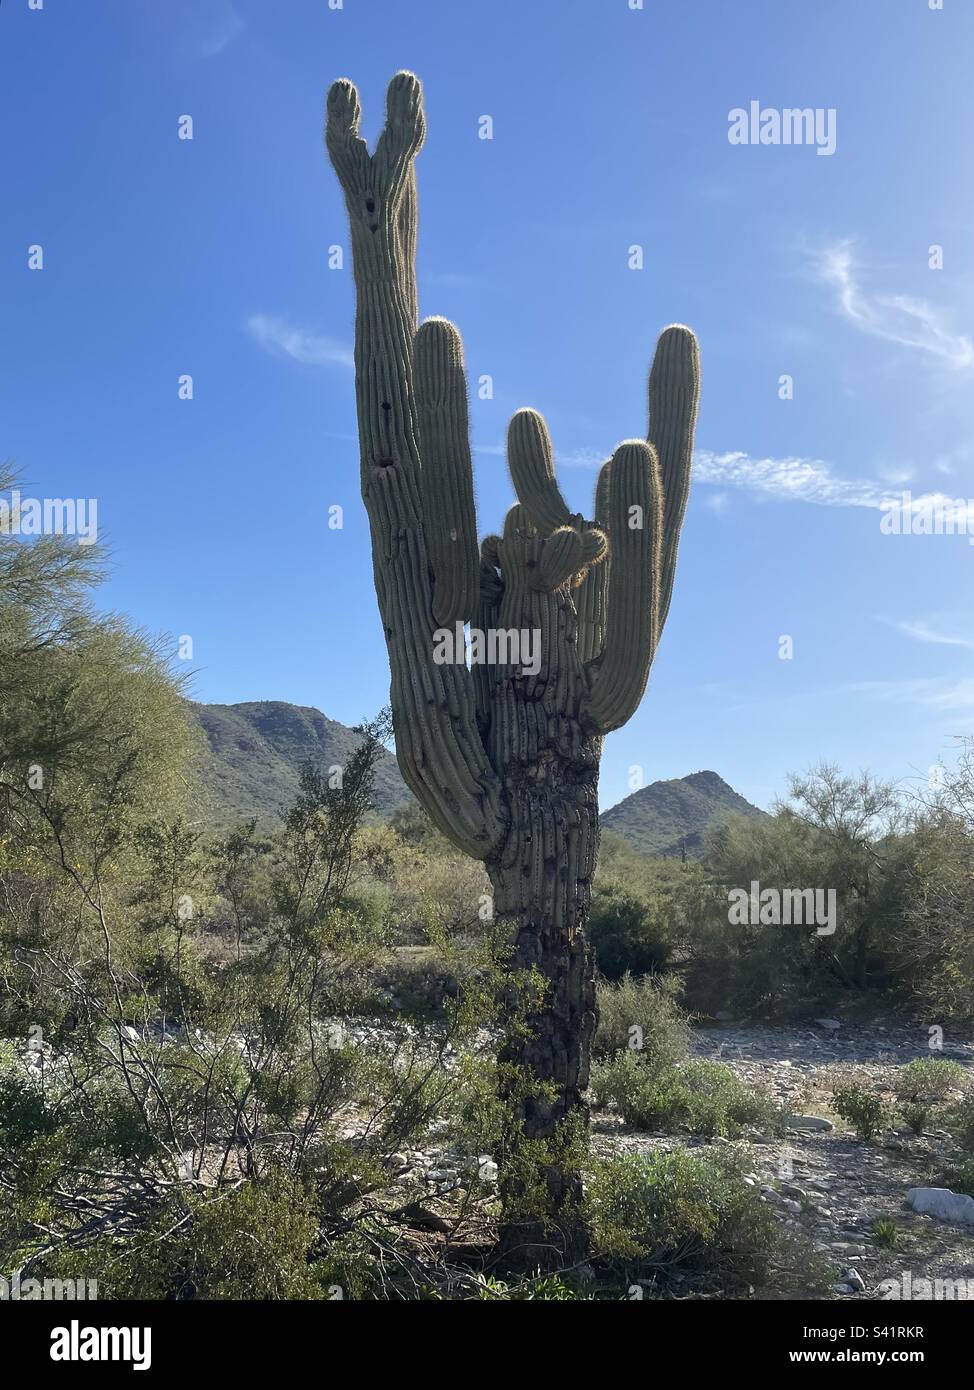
[{"x": 370, "y": 205}]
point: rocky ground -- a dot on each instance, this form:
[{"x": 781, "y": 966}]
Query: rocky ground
[
  {"x": 820, "y": 1180},
  {"x": 823, "y": 1181}
]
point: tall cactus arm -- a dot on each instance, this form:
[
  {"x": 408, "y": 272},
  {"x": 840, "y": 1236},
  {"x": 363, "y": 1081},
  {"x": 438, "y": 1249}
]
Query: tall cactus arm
[
  {"x": 439, "y": 748},
  {"x": 674, "y": 394},
  {"x": 375, "y": 187},
  {"x": 408, "y": 238},
  {"x": 446, "y": 478},
  {"x": 632, "y": 632},
  {"x": 531, "y": 461},
  {"x": 635, "y": 509},
  {"x": 590, "y": 598}
]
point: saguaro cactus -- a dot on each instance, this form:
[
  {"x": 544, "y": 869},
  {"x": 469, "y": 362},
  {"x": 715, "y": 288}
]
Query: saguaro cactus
[{"x": 505, "y": 759}]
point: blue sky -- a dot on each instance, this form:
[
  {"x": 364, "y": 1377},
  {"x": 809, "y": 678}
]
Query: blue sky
[{"x": 210, "y": 257}]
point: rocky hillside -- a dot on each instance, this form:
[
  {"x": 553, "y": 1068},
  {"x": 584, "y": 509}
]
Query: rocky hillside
[
  {"x": 255, "y": 752},
  {"x": 665, "y": 817}
]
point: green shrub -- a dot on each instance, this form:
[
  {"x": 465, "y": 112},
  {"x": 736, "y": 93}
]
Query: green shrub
[
  {"x": 541, "y": 1288},
  {"x": 647, "y": 1097},
  {"x": 249, "y": 1242},
  {"x": 861, "y": 1108},
  {"x": 701, "y": 1096},
  {"x": 929, "y": 1079},
  {"x": 662, "y": 1212},
  {"x": 885, "y": 1233},
  {"x": 628, "y": 933},
  {"x": 643, "y": 1016},
  {"x": 915, "y": 1114},
  {"x": 721, "y": 1103},
  {"x": 960, "y": 1177},
  {"x": 961, "y": 1122}
]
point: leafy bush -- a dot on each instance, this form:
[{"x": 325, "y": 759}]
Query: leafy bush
[
  {"x": 961, "y": 1122},
  {"x": 915, "y": 1114},
  {"x": 703, "y": 1097},
  {"x": 641, "y": 1015},
  {"x": 960, "y": 1177},
  {"x": 929, "y": 1078},
  {"x": 867, "y": 1112},
  {"x": 921, "y": 1085},
  {"x": 627, "y": 933},
  {"x": 663, "y": 1212}
]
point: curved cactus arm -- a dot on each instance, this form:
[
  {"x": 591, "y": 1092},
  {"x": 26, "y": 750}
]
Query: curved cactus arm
[
  {"x": 346, "y": 146},
  {"x": 635, "y": 508},
  {"x": 674, "y": 394},
  {"x": 530, "y": 459},
  {"x": 438, "y": 745},
  {"x": 590, "y": 598},
  {"x": 446, "y": 477}
]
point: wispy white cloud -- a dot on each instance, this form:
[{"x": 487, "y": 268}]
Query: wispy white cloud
[
  {"x": 896, "y": 318},
  {"x": 787, "y": 480},
  {"x": 941, "y": 694},
  {"x": 813, "y": 481},
  {"x": 923, "y": 631},
  {"x": 793, "y": 479},
  {"x": 276, "y": 334},
  {"x": 227, "y": 25}
]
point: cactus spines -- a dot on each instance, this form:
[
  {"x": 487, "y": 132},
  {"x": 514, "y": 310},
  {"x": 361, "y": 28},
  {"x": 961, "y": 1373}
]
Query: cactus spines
[
  {"x": 505, "y": 756},
  {"x": 674, "y": 394}
]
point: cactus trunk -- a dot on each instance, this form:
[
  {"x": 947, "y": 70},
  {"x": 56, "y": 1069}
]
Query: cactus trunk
[
  {"x": 553, "y": 1054},
  {"x": 548, "y": 759},
  {"x": 505, "y": 756}
]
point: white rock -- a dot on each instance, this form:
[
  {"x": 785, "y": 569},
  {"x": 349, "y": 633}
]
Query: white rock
[
  {"x": 942, "y": 1203},
  {"x": 816, "y": 1122},
  {"x": 831, "y": 1025}
]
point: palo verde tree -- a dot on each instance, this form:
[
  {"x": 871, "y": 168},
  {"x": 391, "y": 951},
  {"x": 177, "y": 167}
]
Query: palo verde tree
[{"x": 505, "y": 759}]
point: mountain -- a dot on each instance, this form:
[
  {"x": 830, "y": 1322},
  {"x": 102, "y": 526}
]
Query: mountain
[
  {"x": 255, "y": 751},
  {"x": 661, "y": 818}
]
